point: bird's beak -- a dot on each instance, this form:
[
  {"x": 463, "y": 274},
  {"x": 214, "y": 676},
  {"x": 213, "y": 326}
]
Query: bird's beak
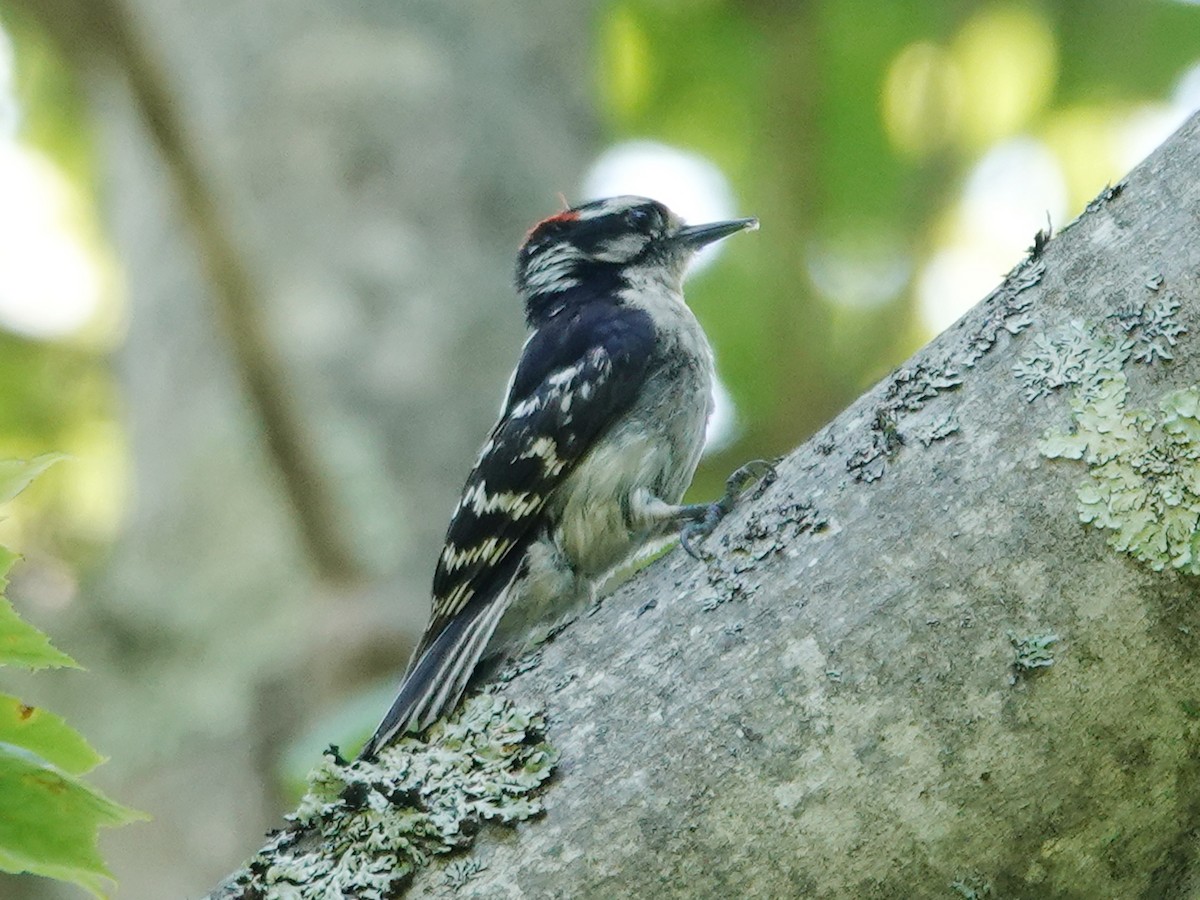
[{"x": 696, "y": 236}]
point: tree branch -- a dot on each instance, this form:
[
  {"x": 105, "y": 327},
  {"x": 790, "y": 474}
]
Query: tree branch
[{"x": 912, "y": 670}]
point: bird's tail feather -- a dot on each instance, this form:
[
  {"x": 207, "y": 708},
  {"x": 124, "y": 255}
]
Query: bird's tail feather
[{"x": 437, "y": 678}]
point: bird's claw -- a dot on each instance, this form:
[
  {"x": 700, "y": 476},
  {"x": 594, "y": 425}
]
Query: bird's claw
[
  {"x": 736, "y": 486},
  {"x": 700, "y": 529}
]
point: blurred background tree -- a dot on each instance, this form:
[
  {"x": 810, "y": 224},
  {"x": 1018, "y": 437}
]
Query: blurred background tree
[{"x": 255, "y": 277}]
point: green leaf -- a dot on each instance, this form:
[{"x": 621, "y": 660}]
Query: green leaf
[
  {"x": 15, "y": 474},
  {"x": 47, "y": 735},
  {"x": 49, "y": 819},
  {"x": 20, "y": 643}
]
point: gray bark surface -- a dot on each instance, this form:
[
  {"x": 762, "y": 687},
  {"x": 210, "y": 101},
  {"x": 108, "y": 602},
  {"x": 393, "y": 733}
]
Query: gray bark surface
[{"x": 852, "y": 700}]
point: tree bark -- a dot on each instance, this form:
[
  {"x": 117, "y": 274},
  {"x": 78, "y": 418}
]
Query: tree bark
[{"x": 911, "y": 670}]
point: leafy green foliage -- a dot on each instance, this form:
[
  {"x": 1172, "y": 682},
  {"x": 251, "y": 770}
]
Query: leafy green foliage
[
  {"x": 20, "y": 643},
  {"x": 47, "y": 735},
  {"x": 49, "y": 821},
  {"x": 48, "y": 816},
  {"x": 16, "y": 474}
]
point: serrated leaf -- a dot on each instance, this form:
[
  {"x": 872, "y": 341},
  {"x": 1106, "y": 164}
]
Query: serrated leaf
[
  {"x": 15, "y": 474},
  {"x": 20, "y": 643},
  {"x": 49, "y": 820},
  {"x": 47, "y": 735}
]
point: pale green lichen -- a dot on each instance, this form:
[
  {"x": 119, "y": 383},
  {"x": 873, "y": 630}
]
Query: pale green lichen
[
  {"x": 459, "y": 872},
  {"x": 364, "y": 828},
  {"x": 1071, "y": 357},
  {"x": 972, "y": 887},
  {"x": 1143, "y": 480},
  {"x": 1153, "y": 326},
  {"x": 1032, "y": 652},
  {"x": 1080, "y": 356}
]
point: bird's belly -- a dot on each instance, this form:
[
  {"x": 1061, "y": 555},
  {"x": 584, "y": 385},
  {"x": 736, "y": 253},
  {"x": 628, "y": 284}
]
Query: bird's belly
[
  {"x": 654, "y": 452},
  {"x": 591, "y": 539}
]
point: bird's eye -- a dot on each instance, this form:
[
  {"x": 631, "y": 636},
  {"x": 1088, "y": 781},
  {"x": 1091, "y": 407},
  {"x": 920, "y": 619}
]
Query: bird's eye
[{"x": 639, "y": 218}]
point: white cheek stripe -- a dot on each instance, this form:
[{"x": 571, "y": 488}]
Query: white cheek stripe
[{"x": 621, "y": 249}]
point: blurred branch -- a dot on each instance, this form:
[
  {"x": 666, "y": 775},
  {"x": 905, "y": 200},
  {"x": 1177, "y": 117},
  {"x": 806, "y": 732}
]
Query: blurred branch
[
  {"x": 909, "y": 669},
  {"x": 102, "y": 32}
]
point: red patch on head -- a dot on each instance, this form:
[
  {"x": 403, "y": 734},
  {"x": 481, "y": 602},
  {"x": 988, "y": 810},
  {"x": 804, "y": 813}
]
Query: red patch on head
[{"x": 568, "y": 215}]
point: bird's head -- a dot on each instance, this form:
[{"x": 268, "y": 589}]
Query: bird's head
[{"x": 597, "y": 246}]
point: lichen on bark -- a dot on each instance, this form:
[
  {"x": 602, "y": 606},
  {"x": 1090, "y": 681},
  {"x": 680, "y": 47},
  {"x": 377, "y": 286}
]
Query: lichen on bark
[
  {"x": 365, "y": 827},
  {"x": 1143, "y": 476}
]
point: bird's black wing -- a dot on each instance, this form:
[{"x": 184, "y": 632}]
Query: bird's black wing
[
  {"x": 573, "y": 381},
  {"x": 575, "y": 378}
]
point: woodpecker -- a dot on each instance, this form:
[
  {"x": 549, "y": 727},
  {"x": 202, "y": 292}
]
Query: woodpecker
[{"x": 599, "y": 434}]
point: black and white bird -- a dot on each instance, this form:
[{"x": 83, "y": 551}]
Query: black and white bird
[{"x": 599, "y": 435}]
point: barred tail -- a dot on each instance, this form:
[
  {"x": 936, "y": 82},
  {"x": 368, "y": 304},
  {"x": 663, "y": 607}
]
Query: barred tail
[{"x": 436, "y": 679}]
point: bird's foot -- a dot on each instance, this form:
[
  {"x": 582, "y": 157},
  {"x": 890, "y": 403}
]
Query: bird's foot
[{"x": 706, "y": 516}]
